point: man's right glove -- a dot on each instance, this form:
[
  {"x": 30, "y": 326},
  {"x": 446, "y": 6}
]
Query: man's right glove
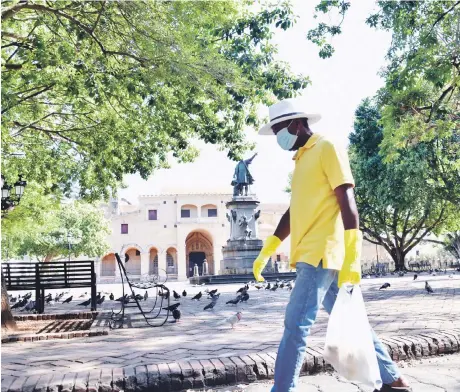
[{"x": 270, "y": 246}]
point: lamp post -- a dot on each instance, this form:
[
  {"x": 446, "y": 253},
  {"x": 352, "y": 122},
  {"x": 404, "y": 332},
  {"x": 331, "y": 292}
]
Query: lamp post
[{"x": 10, "y": 200}]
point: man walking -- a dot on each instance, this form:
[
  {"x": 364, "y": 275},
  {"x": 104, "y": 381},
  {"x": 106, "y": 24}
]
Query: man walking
[{"x": 325, "y": 240}]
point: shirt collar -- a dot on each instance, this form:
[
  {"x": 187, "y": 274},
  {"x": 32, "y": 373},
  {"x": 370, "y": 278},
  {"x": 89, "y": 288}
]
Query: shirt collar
[{"x": 309, "y": 144}]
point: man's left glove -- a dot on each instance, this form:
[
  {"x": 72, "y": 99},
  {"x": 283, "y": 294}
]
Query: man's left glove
[
  {"x": 270, "y": 246},
  {"x": 351, "y": 269}
]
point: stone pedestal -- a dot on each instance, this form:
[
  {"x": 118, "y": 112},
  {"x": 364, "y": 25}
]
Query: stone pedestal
[{"x": 243, "y": 246}]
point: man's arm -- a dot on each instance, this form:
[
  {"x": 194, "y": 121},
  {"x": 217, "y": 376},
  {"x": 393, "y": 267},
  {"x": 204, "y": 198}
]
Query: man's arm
[
  {"x": 284, "y": 226},
  {"x": 346, "y": 199}
]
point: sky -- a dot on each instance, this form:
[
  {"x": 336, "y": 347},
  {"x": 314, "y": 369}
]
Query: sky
[{"x": 338, "y": 86}]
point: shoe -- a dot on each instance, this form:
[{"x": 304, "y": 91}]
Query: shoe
[{"x": 388, "y": 388}]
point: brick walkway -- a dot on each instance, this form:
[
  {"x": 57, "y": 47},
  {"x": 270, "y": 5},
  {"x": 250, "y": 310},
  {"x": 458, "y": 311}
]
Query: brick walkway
[{"x": 404, "y": 309}]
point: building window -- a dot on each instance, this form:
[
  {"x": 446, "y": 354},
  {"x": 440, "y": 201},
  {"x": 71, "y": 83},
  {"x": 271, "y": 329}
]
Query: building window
[
  {"x": 212, "y": 212},
  {"x": 169, "y": 260},
  {"x": 278, "y": 257},
  {"x": 124, "y": 228},
  {"x": 153, "y": 215},
  {"x": 164, "y": 202},
  {"x": 138, "y": 252},
  {"x": 185, "y": 213}
]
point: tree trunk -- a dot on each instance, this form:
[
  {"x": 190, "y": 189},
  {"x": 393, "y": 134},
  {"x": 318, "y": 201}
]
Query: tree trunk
[
  {"x": 7, "y": 317},
  {"x": 398, "y": 257}
]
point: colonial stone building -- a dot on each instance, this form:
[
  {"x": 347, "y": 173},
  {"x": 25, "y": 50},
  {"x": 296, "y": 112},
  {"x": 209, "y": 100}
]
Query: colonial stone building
[{"x": 173, "y": 232}]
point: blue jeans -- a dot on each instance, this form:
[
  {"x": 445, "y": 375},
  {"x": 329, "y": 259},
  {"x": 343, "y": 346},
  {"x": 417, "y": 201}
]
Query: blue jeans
[{"x": 313, "y": 287}]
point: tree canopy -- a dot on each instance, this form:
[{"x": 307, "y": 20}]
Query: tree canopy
[
  {"x": 420, "y": 102},
  {"x": 41, "y": 228},
  {"x": 398, "y": 203},
  {"x": 92, "y": 91}
]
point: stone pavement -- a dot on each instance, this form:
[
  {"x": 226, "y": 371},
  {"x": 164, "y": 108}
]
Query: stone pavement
[
  {"x": 439, "y": 374},
  {"x": 404, "y": 309}
]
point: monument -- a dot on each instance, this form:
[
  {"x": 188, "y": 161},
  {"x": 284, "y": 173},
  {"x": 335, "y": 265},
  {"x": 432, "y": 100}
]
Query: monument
[{"x": 243, "y": 246}]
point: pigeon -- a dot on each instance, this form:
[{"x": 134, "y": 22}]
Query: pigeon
[
  {"x": 275, "y": 287},
  {"x": 234, "y": 301},
  {"x": 282, "y": 285},
  {"x": 232, "y": 320},
  {"x": 212, "y": 292},
  {"x": 176, "y": 315},
  {"x": 241, "y": 289},
  {"x": 385, "y": 286},
  {"x": 101, "y": 300},
  {"x": 85, "y": 303},
  {"x": 415, "y": 276},
  {"x": 146, "y": 295},
  {"x": 176, "y": 296},
  {"x": 98, "y": 296},
  {"x": 268, "y": 287},
  {"x": 210, "y": 305},
  {"x": 28, "y": 295},
  {"x": 66, "y": 301},
  {"x": 20, "y": 304},
  {"x": 139, "y": 297},
  {"x": 13, "y": 299},
  {"x": 48, "y": 299},
  {"x": 83, "y": 295},
  {"x": 258, "y": 287},
  {"x": 30, "y": 306},
  {"x": 184, "y": 293},
  {"x": 428, "y": 288},
  {"x": 289, "y": 286},
  {"x": 198, "y": 296},
  {"x": 111, "y": 297},
  {"x": 172, "y": 307},
  {"x": 245, "y": 297}
]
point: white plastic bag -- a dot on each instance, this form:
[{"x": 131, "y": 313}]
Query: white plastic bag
[{"x": 349, "y": 346}]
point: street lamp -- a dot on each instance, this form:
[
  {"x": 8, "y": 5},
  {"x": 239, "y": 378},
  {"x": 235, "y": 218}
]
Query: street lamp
[{"x": 9, "y": 200}]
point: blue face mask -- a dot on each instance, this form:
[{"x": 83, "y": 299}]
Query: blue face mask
[{"x": 285, "y": 139}]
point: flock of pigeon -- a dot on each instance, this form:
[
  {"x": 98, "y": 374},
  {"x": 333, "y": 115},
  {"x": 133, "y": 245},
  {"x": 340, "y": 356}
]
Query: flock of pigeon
[
  {"x": 242, "y": 296},
  {"x": 25, "y": 302},
  {"x": 428, "y": 288}
]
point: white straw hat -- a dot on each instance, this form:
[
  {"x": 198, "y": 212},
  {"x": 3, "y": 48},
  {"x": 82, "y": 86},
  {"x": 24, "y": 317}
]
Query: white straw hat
[{"x": 287, "y": 109}]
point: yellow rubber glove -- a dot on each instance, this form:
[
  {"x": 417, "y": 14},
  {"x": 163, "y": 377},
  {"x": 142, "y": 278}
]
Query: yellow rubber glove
[
  {"x": 270, "y": 246},
  {"x": 351, "y": 269}
]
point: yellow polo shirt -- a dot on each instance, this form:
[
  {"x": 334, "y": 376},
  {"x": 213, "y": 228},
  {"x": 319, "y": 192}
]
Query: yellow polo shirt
[{"x": 317, "y": 231}]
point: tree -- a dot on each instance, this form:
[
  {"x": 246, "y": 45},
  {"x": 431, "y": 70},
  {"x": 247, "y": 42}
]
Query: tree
[
  {"x": 420, "y": 102},
  {"x": 92, "y": 91},
  {"x": 8, "y": 321},
  {"x": 80, "y": 223},
  {"x": 398, "y": 204},
  {"x": 288, "y": 187}
]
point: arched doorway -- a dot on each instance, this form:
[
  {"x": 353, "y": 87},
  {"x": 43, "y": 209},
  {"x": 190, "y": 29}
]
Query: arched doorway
[
  {"x": 108, "y": 265},
  {"x": 153, "y": 261},
  {"x": 198, "y": 245},
  {"x": 171, "y": 261},
  {"x": 133, "y": 266}
]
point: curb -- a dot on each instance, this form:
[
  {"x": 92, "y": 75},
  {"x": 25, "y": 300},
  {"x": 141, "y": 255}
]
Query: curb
[
  {"x": 53, "y": 336},
  {"x": 57, "y": 316},
  {"x": 183, "y": 375}
]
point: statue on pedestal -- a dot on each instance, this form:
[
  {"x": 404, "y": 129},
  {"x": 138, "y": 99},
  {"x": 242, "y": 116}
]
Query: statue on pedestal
[
  {"x": 195, "y": 270},
  {"x": 242, "y": 178}
]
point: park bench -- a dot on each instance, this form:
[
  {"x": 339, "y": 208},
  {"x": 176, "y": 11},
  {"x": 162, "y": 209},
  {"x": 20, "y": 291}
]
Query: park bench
[
  {"x": 117, "y": 319},
  {"x": 40, "y": 277}
]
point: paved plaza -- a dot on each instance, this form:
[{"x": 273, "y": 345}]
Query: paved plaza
[
  {"x": 438, "y": 374},
  {"x": 403, "y": 309}
]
